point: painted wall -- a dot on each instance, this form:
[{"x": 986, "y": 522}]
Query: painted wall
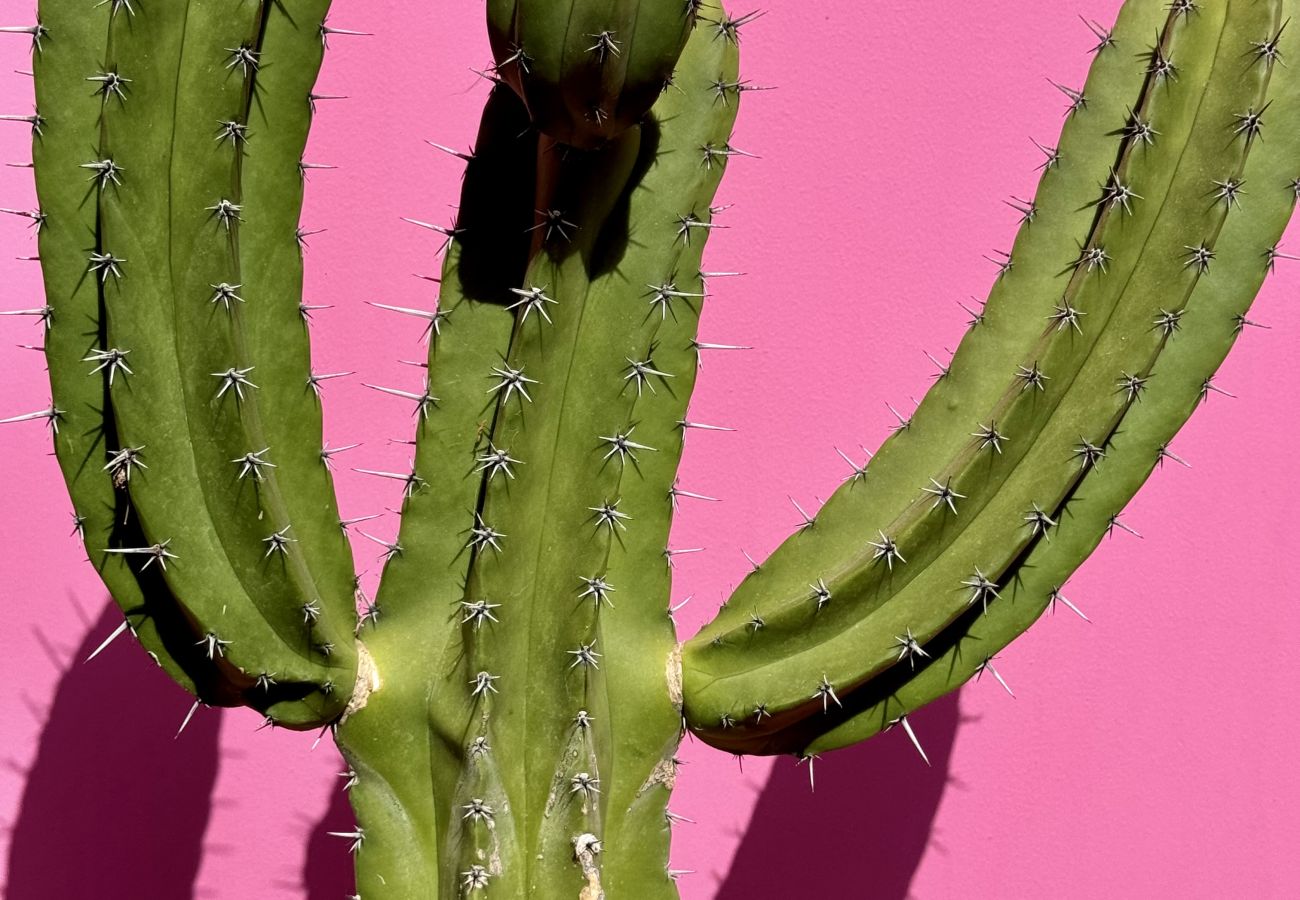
[{"x": 1148, "y": 754}]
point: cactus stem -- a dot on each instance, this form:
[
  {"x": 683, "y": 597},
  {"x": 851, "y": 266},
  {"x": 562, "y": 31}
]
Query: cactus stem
[
  {"x": 987, "y": 666},
  {"x": 108, "y": 640}
]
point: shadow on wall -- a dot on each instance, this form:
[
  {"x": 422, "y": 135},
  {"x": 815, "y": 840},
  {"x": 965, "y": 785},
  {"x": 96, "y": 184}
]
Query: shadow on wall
[
  {"x": 110, "y": 808},
  {"x": 327, "y": 868},
  {"x": 863, "y": 833}
]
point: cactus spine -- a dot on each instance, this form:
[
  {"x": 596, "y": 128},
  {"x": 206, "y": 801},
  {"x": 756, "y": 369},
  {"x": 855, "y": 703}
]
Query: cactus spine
[{"x": 511, "y": 702}]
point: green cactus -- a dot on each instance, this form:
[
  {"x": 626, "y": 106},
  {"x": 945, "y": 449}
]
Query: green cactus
[
  {"x": 590, "y": 69},
  {"x": 511, "y": 702}
]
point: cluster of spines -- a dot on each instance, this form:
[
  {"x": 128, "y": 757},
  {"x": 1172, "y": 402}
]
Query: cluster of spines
[{"x": 880, "y": 621}]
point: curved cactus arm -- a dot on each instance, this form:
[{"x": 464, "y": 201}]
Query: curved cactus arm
[
  {"x": 96, "y": 469},
  {"x": 1180, "y": 380},
  {"x": 752, "y": 683},
  {"x": 212, "y": 402}
]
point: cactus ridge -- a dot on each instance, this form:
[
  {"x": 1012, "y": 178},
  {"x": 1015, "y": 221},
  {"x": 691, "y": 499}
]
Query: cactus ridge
[{"x": 893, "y": 627}]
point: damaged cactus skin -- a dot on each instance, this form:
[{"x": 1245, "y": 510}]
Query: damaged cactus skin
[{"x": 511, "y": 703}]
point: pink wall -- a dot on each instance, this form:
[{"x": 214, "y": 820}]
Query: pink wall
[{"x": 1147, "y": 754}]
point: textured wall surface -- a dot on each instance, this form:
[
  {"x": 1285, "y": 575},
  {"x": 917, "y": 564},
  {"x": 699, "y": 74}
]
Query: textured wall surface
[{"x": 1148, "y": 753}]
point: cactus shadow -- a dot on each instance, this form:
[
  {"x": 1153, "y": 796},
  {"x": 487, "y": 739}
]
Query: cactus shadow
[
  {"x": 114, "y": 807},
  {"x": 326, "y": 868},
  {"x": 863, "y": 832}
]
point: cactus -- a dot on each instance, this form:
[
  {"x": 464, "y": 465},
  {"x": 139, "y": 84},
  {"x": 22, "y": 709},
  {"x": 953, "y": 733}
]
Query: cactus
[{"x": 510, "y": 704}]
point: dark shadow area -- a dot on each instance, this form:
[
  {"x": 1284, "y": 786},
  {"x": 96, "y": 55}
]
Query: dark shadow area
[
  {"x": 863, "y": 832},
  {"x": 327, "y": 872},
  {"x": 115, "y": 806}
]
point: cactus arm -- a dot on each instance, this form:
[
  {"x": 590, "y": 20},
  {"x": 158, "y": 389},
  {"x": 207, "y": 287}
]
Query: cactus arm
[
  {"x": 952, "y": 561},
  {"x": 85, "y": 440},
  {"x": 1211, "y": 322},
  {"x": 251, "y": 596},
  {"x": 417, "y": 614}
]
